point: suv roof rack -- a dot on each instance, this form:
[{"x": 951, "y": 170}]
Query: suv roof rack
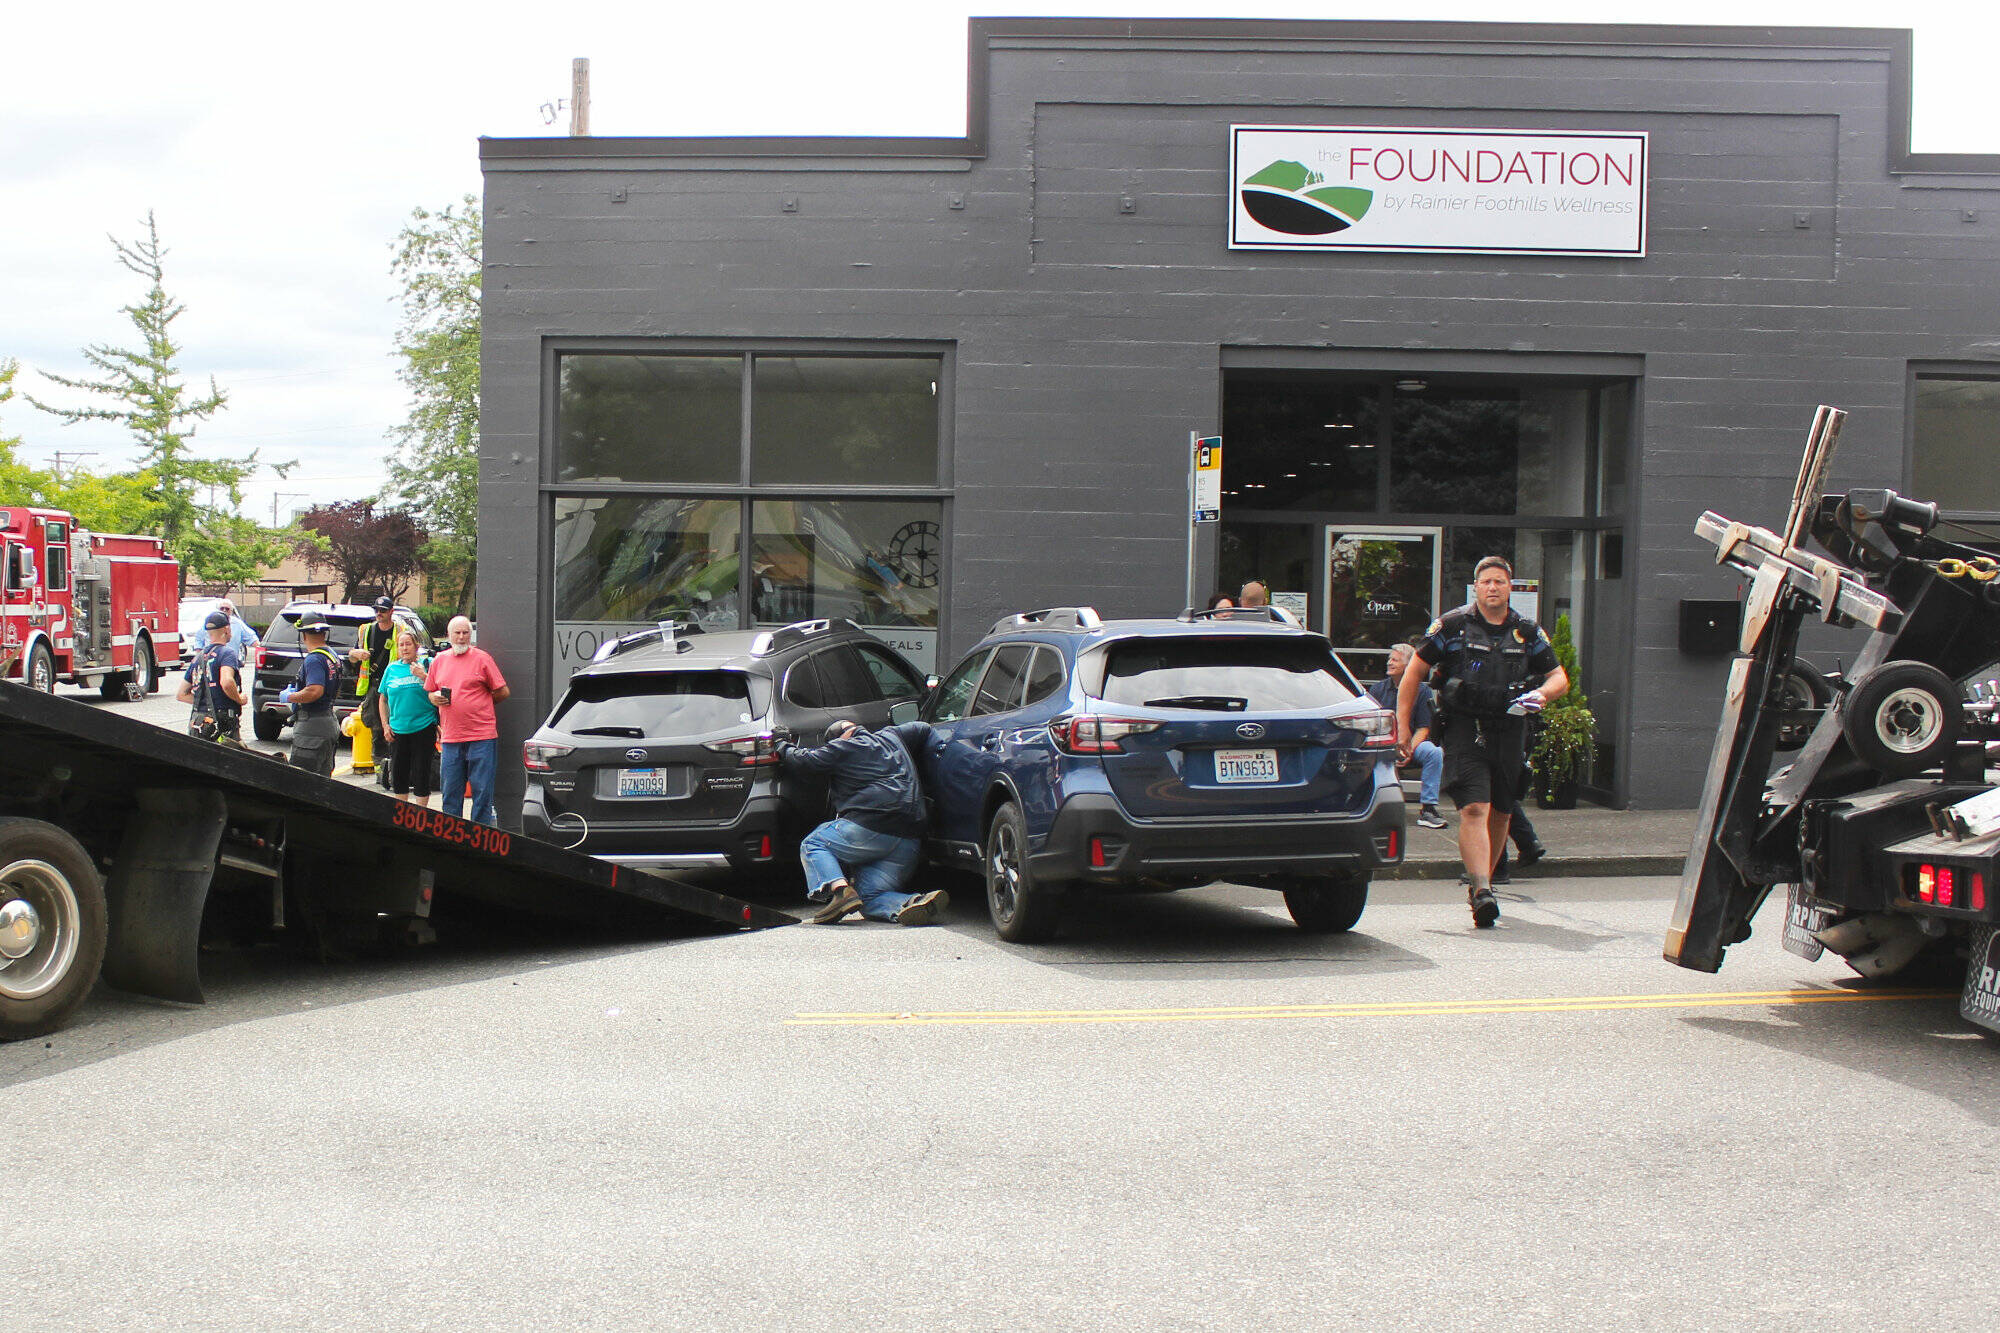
[
  {"x": 771, "y": 641},
  {"x": 667, "y": 631},
  {"x": 1051, "y": 617},
  {"x": 1276, "y": 614}
]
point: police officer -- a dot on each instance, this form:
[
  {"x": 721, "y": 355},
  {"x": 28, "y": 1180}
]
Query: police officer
[
  {"x": 315, "y": 736},
  {"x": 1496, "y": 669}
]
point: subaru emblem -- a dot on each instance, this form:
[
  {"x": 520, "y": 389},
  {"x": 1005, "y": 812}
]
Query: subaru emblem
[
  {"x": 636, "y": 756},
  {"x": 1250, "y": 731}
]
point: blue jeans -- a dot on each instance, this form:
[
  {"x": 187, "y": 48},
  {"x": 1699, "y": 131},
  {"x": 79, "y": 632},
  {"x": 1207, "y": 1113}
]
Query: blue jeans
[
  {"x": 1431, "y": 756},
  {"x": 878, "y": 865},
  {"x": 474, "y": 762}
]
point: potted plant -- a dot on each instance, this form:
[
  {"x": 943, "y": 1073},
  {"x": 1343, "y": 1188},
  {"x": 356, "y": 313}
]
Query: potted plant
[{"x": 1568, "y": 737}]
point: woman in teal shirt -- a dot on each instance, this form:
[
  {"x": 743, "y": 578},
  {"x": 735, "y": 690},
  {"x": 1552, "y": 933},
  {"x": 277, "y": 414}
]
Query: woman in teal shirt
[{"x": 410, "y": 721}]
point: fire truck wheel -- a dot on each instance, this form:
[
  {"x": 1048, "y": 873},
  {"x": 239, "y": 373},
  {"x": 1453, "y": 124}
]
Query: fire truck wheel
[
  {"x": 145, "y": 672},
  {"x": 42, "y": 669},
  {"x": 52, "y": 927},
  {"x": 1902, "y": 718}
]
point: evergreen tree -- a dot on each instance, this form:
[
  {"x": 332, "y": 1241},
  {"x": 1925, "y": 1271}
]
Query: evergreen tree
[{"x": 141, "y": 389}]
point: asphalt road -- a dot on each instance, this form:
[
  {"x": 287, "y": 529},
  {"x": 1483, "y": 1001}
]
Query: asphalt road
[{"x": 1182, "y": 1114}]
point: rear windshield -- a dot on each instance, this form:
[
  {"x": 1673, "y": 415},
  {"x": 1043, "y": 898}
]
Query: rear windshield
[
  {"x": 284, "y": 632},
  {"x": 660, "y": 704},
  {"x": 1232, "y": 675}
]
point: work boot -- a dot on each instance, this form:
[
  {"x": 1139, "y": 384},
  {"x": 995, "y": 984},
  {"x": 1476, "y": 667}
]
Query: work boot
[
  {"x": 1485, "y": 907},
  {"x": 1428, "y": 817},
  {"x": 845, "y": 902},
  {"x": 924, "y": 909}
]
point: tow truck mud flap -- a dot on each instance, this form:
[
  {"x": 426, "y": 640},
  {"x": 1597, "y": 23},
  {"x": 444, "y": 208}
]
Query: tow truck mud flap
[
  {"x": 156, "y": 891},
  {"x": 1980, "y": 1002},
  {"x": 1805, "y": 917}
]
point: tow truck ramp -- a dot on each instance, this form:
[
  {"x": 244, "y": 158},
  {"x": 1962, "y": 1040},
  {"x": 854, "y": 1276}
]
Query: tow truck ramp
[{"x": 173, "y": 822}]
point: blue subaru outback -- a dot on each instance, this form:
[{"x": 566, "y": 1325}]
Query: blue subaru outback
[{"x": 1080, "y": 753}]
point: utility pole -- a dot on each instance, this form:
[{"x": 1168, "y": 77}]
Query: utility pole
[
  {"x": 579, "y": 98},
  {"x": 55, "y": 466},
  {"x": 277, "y": 496}
]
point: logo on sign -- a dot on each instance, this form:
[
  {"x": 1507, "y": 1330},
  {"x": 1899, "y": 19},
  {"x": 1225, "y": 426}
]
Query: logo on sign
[
  {"x": 1289, "y": 197},
  {"x": 1250, "y": 731},
  {"x": 635, "y": 755}
]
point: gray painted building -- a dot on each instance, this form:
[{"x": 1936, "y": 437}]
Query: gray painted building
[{"x": 927, "y": 382}]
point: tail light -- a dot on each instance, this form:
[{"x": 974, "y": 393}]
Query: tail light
[
  {"x": 258, "y": 662},
  {"x": 535, "y": 755},
  {"x": 1951, "y": 886},
  {"x": 1978, "y": 891},
  {"x": 751, "y": 751},
  {"x": 1097, "y": 735},
  {"x": 1378, "y": 729}
]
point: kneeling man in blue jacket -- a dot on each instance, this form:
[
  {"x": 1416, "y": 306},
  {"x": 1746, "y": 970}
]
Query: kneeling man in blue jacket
[{"x": 859, "y": 860}]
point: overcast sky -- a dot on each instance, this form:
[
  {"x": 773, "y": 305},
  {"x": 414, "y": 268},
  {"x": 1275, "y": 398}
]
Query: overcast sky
[{"x": 283, "y": 147}]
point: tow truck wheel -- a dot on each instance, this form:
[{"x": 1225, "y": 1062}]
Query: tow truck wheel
[
  {"x": 1023, "y": 911},
  {"x": 1801, "y": 689},
  {"x": 1327, "y": 906},
  {"x": 41, "y": 669},
  {"x": 52, "y": 927},
  {"x": 1902, "y": 718}
]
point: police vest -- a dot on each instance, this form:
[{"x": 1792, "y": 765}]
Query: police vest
[{"x": 1490, "y": 665}]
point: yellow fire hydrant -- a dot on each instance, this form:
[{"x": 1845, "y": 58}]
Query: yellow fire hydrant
[{"x": 364, "y": 743}]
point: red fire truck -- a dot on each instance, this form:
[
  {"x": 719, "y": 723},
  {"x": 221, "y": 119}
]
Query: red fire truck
[{"x": 83, "y": 607}]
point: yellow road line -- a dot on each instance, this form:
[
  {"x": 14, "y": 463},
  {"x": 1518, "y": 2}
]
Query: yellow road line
[{"x": 1370, "y": 1009}]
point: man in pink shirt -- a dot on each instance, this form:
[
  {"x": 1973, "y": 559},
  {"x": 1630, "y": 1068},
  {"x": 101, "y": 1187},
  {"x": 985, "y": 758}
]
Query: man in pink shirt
[{"x": 465, "y": 683}]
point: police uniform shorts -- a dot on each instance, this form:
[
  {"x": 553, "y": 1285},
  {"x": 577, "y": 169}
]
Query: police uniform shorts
[
  {"x": 316, "y": 743},
  {"x": 1483, "y": 764}
]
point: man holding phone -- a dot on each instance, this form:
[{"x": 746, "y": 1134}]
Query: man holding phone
[{"x": 465, "y": 684}]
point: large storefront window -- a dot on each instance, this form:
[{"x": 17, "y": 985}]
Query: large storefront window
[
  {"x": 844, "y": 420},
  {"x": 701, "y": 546},
  {"x": 1957, "y": 421}
]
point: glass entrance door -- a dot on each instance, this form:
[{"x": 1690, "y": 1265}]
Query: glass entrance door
[{"x": 1382, "y": 588}]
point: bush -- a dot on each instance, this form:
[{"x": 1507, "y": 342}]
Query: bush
[
  {"x": 1568, "y": 739},
  {"x": 437, "y": 617}
]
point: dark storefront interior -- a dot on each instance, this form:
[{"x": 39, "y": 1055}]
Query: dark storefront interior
[{"x": 1364, "y": 499}]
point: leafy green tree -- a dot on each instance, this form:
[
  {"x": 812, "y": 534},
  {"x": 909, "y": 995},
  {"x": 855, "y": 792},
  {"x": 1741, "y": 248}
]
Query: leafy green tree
[
  {"x": 113, "y": 503},
  {"x": 435, "y": 471},
  {"x": 141, "y": 389}
]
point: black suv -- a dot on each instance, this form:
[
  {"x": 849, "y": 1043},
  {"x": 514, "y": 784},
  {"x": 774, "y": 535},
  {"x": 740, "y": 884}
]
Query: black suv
[
  {"x": 661, "y": 751},
  {"x": 277, "y": 659}
]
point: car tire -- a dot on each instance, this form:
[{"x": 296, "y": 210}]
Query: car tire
[
  {"x": 46, "y": 869},
  {"x": 1023, "y": 910},
  {"x": 41, "y": 670},
  {"x": 266, "y": 724},
  {"x": 1327, "y": 906},
  {"x": 1902, "y": 718}
]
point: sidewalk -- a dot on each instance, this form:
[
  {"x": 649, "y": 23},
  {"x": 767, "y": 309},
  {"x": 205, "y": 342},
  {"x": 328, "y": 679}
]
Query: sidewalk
[{"x": 1589, "y": 840}]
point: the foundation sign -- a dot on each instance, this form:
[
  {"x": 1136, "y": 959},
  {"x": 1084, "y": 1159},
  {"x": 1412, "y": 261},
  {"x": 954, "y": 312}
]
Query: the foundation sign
[{"x": 1304, "y": 187}]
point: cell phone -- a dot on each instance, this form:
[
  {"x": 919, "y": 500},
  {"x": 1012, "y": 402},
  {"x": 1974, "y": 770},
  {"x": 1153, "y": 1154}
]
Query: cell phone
[{"x": 444, "y": 694}]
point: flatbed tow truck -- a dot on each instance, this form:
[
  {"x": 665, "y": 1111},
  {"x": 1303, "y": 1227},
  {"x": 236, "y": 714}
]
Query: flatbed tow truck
[
  {"x": 1884, "y": 827},
  {"x": 120, "y": 842}
]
